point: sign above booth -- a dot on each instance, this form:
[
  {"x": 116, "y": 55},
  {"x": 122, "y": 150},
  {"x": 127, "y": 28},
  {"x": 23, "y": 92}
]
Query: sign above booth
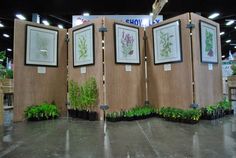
[{"x": 139, "y": 20}]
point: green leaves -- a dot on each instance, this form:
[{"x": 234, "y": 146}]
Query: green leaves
[
  {"x": 166, "y": 44},
  {"x": 42, "y": 111},
  {"x": 84, "y": 96},
  {"x": 82, "y": 44}
]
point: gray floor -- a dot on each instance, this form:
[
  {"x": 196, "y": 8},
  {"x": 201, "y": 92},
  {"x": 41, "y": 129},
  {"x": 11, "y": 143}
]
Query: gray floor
[{"x": 149, "y": 138}]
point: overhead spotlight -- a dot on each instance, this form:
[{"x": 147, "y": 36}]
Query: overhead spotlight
[
  {"x": 234, "y": 46},
  {"x": 151, "y": 14},
  {"x": 6, "y": 35},
  {"x": 1, "y": 25},
  {"x": 222, "y": 33},
  {"x": 223, "y": 56},
  {"x": 230, "y": 22},
  {"x": 86, "y": 14},
  {"x": 45, "y": 22},
  {"x": 214, "y": 15},
  {"x": 235, "y": 27},
  {"x": 60, "y": 26},
  {"x": 20, "y": 16},
  {"x": 228, "y": 41},
  {"x": 9, "y": 49}
]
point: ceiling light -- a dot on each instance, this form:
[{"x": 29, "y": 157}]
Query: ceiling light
[
  {"x": 223, "y": 56},
  {"x": 86, "y": 14},
  {"x": 234, "y": 46},
  {"x": 9, "y": 49},
  {"x": 20, "y": 16},
  {"x": 1, "y": 25},
  {"x": 230, "y": 22},
  {"x": 222, "y": 33},
  {"x": 60, "y": 26},
  {"x": 45, "y": 22},
  {"x": 214, "y": 15},
  {"x": 151, "y": 14},
  {"x": 228, "y": 41},
  {"x": 235, "y": 27},
  {"x": 6, "y": 35}
]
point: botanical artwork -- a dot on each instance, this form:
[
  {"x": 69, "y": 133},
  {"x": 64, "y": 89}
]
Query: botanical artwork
[
  {"x": 41, "y": 46},
  {"x": 208, "y": 43},
  {"x": 167, "y": 43},
  {"x": 83, "y": 46},
  {"x": 127, "y": 44}
]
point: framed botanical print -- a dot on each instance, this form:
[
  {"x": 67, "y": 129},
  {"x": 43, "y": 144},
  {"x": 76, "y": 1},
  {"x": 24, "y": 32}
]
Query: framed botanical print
[
  {"x": 41, "y": 46},
  {"x": 167, "y": 43},
  {"x": 126, "y": 44},
  {"x": 83, "y": 46},
  {"x": 208, "y": 42}
]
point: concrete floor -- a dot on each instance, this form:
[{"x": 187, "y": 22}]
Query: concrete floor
[{"x": 151, "y": 138}]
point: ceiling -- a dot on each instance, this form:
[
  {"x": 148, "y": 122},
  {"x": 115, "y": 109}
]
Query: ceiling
[{"x": 61, "y": 11}]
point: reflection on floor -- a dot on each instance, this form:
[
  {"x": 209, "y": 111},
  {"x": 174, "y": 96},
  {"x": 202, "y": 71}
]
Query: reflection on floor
[{"x": 151, "y": 138}]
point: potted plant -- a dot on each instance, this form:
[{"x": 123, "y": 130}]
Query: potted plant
[
  {"x": 88, "y": 95},
  {"x": 73, "y": 99}
]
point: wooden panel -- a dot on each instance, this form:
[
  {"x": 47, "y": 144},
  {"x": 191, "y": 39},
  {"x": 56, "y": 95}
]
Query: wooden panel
[
  {"x": 171, "y": 88},
  {"x": 208, "y": 84},
  {"x": 95, "y": 70},
  {"x": 124, "y": 89},
  {"x": 32, "y": 88}
]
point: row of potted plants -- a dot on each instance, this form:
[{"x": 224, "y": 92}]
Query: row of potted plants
[
  {"x": 218, "y": 110},
  {"x": 136, "y": 113},
  {"x": 191, "y": 116},
  {"x": 43, "y": 111},
  {"x": 83, "y": 99}
]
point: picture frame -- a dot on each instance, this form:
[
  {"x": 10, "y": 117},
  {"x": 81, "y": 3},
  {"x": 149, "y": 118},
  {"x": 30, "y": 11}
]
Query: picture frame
[
  {"x": 127, "y": 44},
  {"x": 167, "y": 44},
  {"x": 208, "y": 42},
  {"x": 41, "y": 46},
  {"x": 83, "y": 46}
]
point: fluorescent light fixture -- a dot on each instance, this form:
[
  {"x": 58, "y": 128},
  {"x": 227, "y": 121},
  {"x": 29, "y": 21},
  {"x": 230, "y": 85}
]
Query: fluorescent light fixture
[
  {"x": 9, "y": 49},
  {"x": 86, "y": 14},
  {"x": 228, "y": 41},
  {"x": 45, "y": 22},
  {"x": 222, "y": 33},
  {"x": 20, "y": 16},
  {"x": 6, "y": 35},
  {"x": 214, "y": 15},
  {"x": 151, "y": 14},
  {"x": 1, "y": 25},
  {"x": 60, "y": 26},
  {"x": 230, "y": 22}
]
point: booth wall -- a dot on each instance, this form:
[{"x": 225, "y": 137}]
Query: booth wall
[
  {"x": 124, "y": 89},
  {"x": 30, "y": 87},
  {"x": 171, "y": 88},
  {"x": 95, "y": 70},
  {"x": 208, "y": 83}
]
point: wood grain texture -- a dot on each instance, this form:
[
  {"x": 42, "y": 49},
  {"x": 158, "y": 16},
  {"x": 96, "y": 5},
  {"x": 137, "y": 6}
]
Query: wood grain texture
[
  {"x": 208, "y": 84},
  {"x": 171, "y": 88},
  {"x": 32, "y": 88},
  {"x": 91, "y": 70},
  {"x": 124, "y": 90}
]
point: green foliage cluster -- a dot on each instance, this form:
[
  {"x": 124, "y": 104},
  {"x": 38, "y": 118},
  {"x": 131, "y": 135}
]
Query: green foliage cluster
[
  {"x": 223, "y": 105},
  {"x": 82, "y": 47},
  {"x": 84, "y": 96},
  {"x": 4, "y": 73},
  {"x": 209, "y": 41},
  {"x": 42, "y": 112},
  {"x": 166, "y": 44},
  {"x": 174, "y": 113},
  {"x": 233, "y": 68}
]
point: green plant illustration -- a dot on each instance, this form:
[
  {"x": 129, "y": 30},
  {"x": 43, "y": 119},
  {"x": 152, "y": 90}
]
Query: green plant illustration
[
  {"x": 209, "y": 43},
  {"x": 166, "y": 44},
  {"x": 42, "y": 45},
  {"x": 127, "y": 43},
  {"x": 83, "y": 49}
]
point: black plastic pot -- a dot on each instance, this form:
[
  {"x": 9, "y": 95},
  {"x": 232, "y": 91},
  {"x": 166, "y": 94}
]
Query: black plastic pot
[
  {"x": 79, "y": 113},
  {"x": 72, "y": 113},
  {"x": 93, "y": 116},
  {"x": 85, "y": 114}
]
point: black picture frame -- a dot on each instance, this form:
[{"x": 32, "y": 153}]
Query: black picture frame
[
  {"x": 27, "y": 45},
  {"x": 201, "y": 22},
  {"x": 159, "y": 26},
  {"x": 93, "y": 45},
  {"x": 138, "y": 62}
]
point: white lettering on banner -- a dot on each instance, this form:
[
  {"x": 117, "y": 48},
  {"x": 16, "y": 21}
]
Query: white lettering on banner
[{"x": 139, "y": 20}]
